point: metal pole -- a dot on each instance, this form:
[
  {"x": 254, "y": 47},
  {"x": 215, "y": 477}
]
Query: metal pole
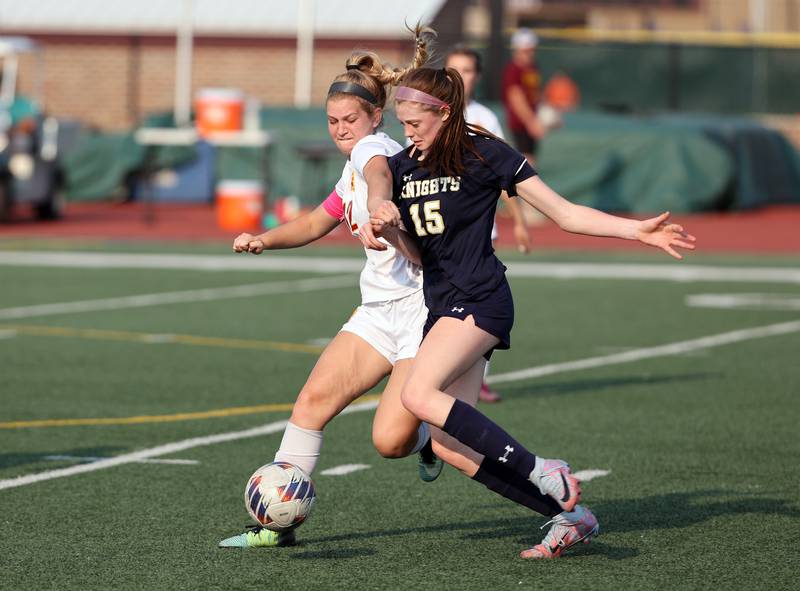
[
  {"x": 9, "y": 83},
  {"x": 495, "y": 51},
  {"x": 758, "y": 16},
  {"x": 183, "y": 66},
  {"x": 304, "y": 62},
  {"x": 674, "y": 77},
  {"x": 758, "y": 23}
]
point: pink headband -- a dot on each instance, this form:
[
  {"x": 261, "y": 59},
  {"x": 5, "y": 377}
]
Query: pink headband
[{"x": 404, "y": 93}]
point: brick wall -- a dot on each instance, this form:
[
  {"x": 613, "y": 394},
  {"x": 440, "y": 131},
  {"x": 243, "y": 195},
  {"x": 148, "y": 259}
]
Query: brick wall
[{"x": 112, "y": 82}]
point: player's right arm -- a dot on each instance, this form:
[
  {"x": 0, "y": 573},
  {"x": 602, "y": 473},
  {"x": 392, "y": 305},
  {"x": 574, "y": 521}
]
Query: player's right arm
[
  {"x": 581, "y": 219},
  {"x": 299, "y": 232}
]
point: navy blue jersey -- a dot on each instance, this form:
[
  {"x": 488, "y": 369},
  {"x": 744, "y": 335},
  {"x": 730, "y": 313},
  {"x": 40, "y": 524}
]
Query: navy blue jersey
[{"x": 450, "y": 219}]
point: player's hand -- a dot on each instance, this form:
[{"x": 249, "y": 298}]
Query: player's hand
[
  {"x": 248, "y": 243},
  {"x": 368, "y": 238},
  {"x": 522, "y": 238},
  {"x": 386, "y": 214},
  {"x": 666, "y": 236},
  {"x": 535, "y": 129}
]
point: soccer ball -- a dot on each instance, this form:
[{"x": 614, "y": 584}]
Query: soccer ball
[{"x": 279, "y": 496}]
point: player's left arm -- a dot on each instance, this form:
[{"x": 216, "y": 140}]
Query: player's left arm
[
  {"x": 379, "y": 182},
  {"x": 379, "y": 189},
  {"x": 402, "y": 242},
  {"x": 580, "y": 219},
  {"x": 387, "y": 224}
]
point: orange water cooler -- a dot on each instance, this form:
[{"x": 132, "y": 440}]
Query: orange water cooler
[
  {"x": 218, "y": 110},
  {"x": 240, "y": 205}
]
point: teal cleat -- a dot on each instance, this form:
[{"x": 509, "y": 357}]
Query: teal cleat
[
  {"x": 259, "y": 537},
  {"x": 430, "y": 465}
]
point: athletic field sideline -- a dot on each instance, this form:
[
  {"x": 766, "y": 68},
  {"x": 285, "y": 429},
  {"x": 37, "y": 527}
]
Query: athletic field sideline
[{"x": 141, "y": 386}]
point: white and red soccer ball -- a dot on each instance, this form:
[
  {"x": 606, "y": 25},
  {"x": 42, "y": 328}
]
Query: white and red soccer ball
[{"x": 279, "y": 496}]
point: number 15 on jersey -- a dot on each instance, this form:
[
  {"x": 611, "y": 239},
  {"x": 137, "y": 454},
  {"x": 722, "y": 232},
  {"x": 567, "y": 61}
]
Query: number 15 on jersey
[{"x": 431, "y": 221}]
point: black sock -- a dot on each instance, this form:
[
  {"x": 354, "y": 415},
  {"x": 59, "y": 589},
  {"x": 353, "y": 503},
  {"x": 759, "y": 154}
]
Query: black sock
[
  {"x": 473, "y": 429},
  {"x": 426, "y": 452},
  {"x": 512, "y": 486}
]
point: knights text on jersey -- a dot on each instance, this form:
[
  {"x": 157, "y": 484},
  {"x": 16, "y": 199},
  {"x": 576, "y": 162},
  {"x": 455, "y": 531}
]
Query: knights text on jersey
[{"x": 450, "y": 218}]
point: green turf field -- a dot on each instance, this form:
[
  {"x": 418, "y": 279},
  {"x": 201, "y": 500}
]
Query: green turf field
[{"x": 699, "y": 442}]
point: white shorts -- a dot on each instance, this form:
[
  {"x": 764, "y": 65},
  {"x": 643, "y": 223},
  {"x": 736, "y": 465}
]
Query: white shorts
[{"x": 392, "y": 328}]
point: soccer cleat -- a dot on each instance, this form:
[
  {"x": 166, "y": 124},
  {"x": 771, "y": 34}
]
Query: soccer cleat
[
  {"x": 568, "y": 529},
  {"x": 430, "y": 465},
  {"x": 259, "y": 537},
  {"x": 488, "y": 395},
  {"x": 556, "y": 479}
]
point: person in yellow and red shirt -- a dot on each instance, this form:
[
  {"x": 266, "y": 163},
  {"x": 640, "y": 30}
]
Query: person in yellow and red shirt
[{"x": 522, "y": 90}]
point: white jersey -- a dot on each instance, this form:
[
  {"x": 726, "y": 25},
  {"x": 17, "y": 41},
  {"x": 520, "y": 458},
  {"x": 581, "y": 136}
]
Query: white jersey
[
  {"x": 387, "y": 275},
  {"x": 478, "y": 114}
]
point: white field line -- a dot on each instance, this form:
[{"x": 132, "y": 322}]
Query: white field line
[
  {"x": 677, "y": 348},
  {"x": 591, "y": 474},
  {"x": 625, "y": 357},
  {"x": 679, "y": 272},
  {"x": 745, "y": 301},
  {"x": 163, "y": 450},
  {"x": 178, "y": 297},
  {"x": 98, "y": 458},
  {"x": 344, "y": 469},
  {"x": 668, "y": 271},
  {"x": 229, "y": 262}
]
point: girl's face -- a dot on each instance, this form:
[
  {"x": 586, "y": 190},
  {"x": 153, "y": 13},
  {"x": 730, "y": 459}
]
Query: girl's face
[
  {"x": 348, "y": 122},
  {"x": 466, "y": 66},
  {"x": 420, "y": 125}
]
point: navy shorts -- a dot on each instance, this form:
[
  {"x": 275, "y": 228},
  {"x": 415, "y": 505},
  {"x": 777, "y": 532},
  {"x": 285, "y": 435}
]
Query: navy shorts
[{"x": 494, "y": 314}]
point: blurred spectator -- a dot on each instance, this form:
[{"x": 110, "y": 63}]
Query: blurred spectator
[
  {"x": 467, "y": 62},
  {"x": 522, "y": 89}
]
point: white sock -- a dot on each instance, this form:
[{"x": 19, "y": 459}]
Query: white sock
[
  {"x": 486, "y": 371},
  {"x": 423, "y": 434},
  {"x": 536, "y": 473},
  {"x": 300, "y": 447}
]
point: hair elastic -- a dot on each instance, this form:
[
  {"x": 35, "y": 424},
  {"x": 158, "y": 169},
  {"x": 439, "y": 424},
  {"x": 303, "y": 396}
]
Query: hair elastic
[
  {"x": 404, "y": 93},
  {"x": 353, "y": 88}
]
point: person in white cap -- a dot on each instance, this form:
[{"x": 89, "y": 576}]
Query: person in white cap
[{"x": 522, "y": 89}]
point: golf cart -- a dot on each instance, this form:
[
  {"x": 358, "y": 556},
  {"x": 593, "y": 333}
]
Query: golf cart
[{"x": 29, "y": 141}]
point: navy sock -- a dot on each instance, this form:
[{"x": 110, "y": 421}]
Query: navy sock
[
  {"x": 515, "y": 488},
  {"x": 473, "y": 429},
  {"x": 426, "y": 453}
]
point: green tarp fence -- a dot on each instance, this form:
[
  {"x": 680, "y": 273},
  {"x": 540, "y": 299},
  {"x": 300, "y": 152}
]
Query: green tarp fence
[
  {"x": 649, "y": 77},
  {"x": 613, "y": 162}
]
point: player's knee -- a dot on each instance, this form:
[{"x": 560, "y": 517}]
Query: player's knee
[
  {"x": 414, "y": 398},
  {"x": 390, "y": 444},
  {"x": 313, "y": 408}
]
